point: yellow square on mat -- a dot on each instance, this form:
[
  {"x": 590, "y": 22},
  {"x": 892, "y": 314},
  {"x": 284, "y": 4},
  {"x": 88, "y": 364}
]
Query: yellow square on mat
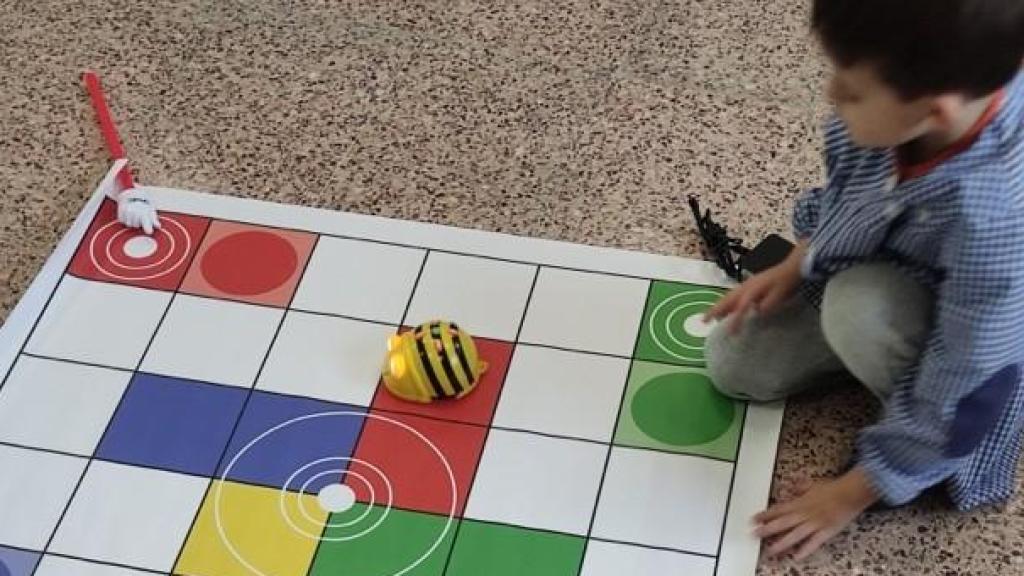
[{"x": 245, "y": 530}]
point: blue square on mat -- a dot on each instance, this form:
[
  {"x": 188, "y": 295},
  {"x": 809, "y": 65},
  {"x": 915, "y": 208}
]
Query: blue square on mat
[
  {"x": 172, "y": 424},
  {"x": 291, "y": 442},
  {"x": 17, "y": 562}
]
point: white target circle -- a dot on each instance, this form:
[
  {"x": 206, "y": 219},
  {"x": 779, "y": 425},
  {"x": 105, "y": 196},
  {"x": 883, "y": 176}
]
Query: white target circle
[
  {"x": 340, "y": 473},
  {"x": 140, "y": 247},
  {"x": 336, "y": 498},
  {"x": 302, "y": 490},
  {"x": 114, "y": 258},
  {"x": 320, "y": 495},
  {"x": 696, "y": 326},
  {"x": 218, "y": 514}
]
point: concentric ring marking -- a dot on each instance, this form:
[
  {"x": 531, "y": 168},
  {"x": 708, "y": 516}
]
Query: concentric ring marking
[
  {"x": 227, "y": 470},
  {"x": 288, "y": 519},
  {"x": 676, "y": 347},
  {"x": 135, "y": 272},
  {"x": 340, "y": 473}
]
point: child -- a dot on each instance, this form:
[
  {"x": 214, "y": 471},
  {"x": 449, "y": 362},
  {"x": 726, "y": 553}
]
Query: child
[{"x": 909, "y": 268}]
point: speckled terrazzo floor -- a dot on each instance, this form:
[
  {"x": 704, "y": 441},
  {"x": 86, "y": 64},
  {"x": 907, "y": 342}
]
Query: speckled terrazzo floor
[{"x": 578, "y": 121}]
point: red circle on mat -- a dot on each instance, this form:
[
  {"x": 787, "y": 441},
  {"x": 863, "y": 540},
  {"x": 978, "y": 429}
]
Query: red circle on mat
[{"x": 249, "y": 263}]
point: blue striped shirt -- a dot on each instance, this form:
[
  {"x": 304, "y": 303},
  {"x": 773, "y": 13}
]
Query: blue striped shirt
[{"x": 957, "y": 416}]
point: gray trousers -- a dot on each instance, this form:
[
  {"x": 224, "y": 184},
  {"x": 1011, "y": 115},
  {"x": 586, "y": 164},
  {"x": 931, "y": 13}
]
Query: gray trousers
[{"x": 873, "y": 323}]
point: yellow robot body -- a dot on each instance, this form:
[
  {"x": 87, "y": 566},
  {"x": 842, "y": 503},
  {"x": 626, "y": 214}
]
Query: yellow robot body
[{"x": 433, "y": 361}]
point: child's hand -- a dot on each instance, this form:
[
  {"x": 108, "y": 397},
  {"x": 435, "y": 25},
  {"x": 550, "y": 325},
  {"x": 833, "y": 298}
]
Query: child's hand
[
  {"x": 819, "y": 514},
  {"x": 763, "y": 292}
]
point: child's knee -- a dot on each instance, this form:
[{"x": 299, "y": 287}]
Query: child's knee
[
  {"x": 733, "y": 372},
  {"x": 876, "y": 319}
]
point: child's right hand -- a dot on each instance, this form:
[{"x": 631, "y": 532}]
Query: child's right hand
[{"x": 763, "y": 293}]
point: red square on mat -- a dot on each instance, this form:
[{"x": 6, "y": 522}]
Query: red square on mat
[
  {"x": 249, "y": 263},
  {"x": 477, "y": 407},
  {"x": 413, "y": 462},
  {"x": 111, "y": 252}
]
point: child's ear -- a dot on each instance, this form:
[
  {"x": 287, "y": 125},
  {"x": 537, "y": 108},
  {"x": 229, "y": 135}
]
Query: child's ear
[{"x": 944, "y": 109}]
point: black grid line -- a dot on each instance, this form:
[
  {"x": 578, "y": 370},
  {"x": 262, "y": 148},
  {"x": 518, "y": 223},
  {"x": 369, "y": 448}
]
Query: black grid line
[
  {"x": 461, "y": 422},
  {"x": 732, "y": 484},
  {"x": 53, "y": 451},
  {"x": 345, "y": 317},
  {"x": 28, "y": 338},
  {"x": 245, "y": 404},
  {"x": 651, "y": 547},
  {"x": 43, "y": 555},
  {"x": 124, "y": 394},
  {"x": 74, "y": 362},
  {"x": 675, "y": 363},
  {"x": 35, "y": 324},
  {"x": 390, "y": 411},
  {"x": 615, "y": 427},
  {"x": 582, "y": 537},
  {"x": 435, "y": 249},
  {"x": 359, "y": 435},
  {"x": 388, "y": 325},
  {"x": 610, "y": 443},
  {"x": 240, "y": 482},
  {"x": 422, "y": 513},
  {"x": 452, "y": 420},
  {"x": 106, "y": 429},
  {"x": 494, "y": 410},
  {"x": 576, "y": 350}
]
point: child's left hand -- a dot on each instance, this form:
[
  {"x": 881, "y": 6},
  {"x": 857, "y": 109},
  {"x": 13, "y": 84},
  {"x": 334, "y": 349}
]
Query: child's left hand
[{"x": 821, "y": 512}]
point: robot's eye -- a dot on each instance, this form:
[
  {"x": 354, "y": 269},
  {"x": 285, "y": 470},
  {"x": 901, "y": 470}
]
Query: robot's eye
[
  {"x": 397, "y": 366},
  {"x": 394, "y": 342}
]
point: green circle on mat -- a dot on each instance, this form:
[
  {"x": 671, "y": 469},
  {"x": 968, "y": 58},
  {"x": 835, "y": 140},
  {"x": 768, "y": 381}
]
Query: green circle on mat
[{"x": 682, "y": 409}]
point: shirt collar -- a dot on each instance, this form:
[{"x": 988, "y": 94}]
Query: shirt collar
[{"x": 910, "y": 171}]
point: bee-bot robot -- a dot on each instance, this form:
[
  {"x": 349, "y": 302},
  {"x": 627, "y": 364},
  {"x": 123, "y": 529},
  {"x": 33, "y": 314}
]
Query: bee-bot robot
[{"x": 435, "y": 360}]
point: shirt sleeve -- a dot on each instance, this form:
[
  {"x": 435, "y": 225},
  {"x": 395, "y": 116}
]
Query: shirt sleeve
[
  {"x": 943, "y": 410},
  {"x": 805, "y": 213},
  {"x": 807, "y": 207}
]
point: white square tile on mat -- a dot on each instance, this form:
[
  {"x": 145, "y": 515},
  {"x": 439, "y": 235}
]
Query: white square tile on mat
[
  {"x": 613, "y": 559},
  {"x": 212, "y": 341},
  {"x": 668, "y": 500},
  {"x": 128, "y": 515},
  {"x": 585, "y": 311},
  {"x": 562, "y": 393},
  {"x": 100, "y": 323},
  {"x": 537, "y": 482},
  {"x": 326, "y": 357},
  {"x": 486, "y": 297},
  {"x": 34, "y": 488},
  {"x": 359, "y": 279},
  {"x": 59, "y": 405},
  {"x": 58, "y": 566}
]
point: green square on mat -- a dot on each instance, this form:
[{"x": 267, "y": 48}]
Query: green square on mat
[
  {"x": 672, "y": 330},
  {"x": 497, "y": 550},
  {"x": 402, "y": 540},
  {"x": 676, "y": 408}
]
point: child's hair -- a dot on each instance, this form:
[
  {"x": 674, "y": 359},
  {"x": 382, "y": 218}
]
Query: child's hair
[{"x": 923, "y": 47}]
